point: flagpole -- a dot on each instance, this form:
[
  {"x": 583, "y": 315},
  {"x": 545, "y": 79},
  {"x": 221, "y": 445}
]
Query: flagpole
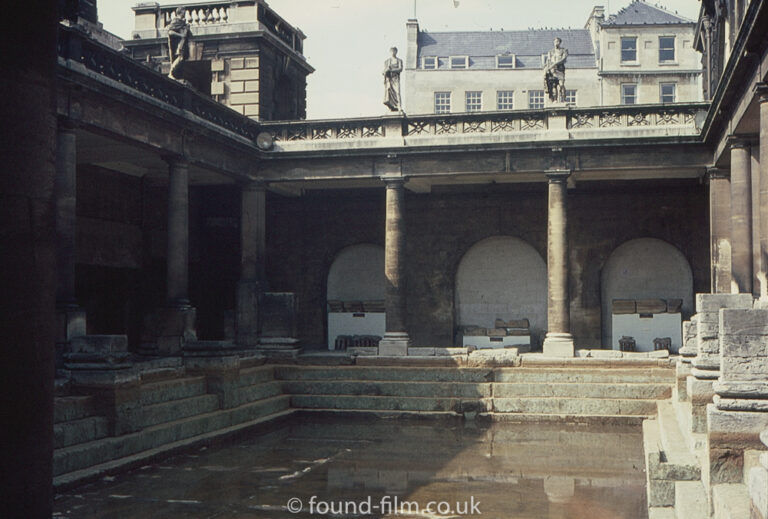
[{"x": 414, "y": 10}]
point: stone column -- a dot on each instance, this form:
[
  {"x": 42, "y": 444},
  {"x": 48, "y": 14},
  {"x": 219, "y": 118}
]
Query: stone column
[
  {"x": 762, "y": 92},
  {"x": 559, "y": 341},
  {"x": 70, "y": 319},
  {"x": 177, "y": 288},
  {"x": 395, "y": 340},
  {"x": 720, "y": 229},
  {"x": 252, "y": 244},
  {"x": 741, "y": 217}
]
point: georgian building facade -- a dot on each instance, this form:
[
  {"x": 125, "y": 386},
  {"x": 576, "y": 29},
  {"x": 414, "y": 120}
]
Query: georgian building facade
[{"x": 641, "y": 55}]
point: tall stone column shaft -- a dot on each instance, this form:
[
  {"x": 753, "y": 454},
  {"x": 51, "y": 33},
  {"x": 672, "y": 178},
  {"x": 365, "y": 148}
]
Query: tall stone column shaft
[
  {"x": 720, "y": 230},
  {"x": 559, "y": 341},
  {"x": 762, "y": 92},
  {"x": 65, "y": 187},
  {"x": 741, "y": 217},
  {"x": 252, "y": 245},
  {"x": 178, "y": 233},
  {"x": 396, "y": 340}
]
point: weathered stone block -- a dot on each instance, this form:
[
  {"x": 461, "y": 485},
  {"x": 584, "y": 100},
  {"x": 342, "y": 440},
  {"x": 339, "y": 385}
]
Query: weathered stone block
[
  {"x": 217, "y": 88},
  {"x": 236, "y": 87},
  {"x": 744, "y": 346},
  {"x": 714, "y": 302},
  {"x": 244, "y": 99},
  {"x": 236, "y": 63},
  {"x": 100, "y": 344},
  {"x": 217, "y": 65},
  {"x": 252, "y": 86},
  {"x": 744, "y": 368},
  {"x": 661, "y": 492},
  {"x": 244, "y": 75},
  {"x": 743, "y": 322},
  {"x": 252, "y": 62},
  {"x": 757, "y": 482},
  {"x": 736, "y": 429}
]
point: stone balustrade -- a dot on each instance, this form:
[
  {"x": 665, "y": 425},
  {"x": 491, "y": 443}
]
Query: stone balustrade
[
  {"x": 549, "y": 124},
  {"x": 206, "y": 14}
]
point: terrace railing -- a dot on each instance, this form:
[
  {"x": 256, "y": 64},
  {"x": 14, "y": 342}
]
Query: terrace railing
[{"x": 75, "y": 46}]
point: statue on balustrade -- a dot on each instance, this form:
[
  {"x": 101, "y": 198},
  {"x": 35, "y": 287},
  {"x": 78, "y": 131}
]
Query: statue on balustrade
[
  {"x": 179, "y": 34},
  {"x": 554, "y": 72},
  {"x": 392, "y": 69}
]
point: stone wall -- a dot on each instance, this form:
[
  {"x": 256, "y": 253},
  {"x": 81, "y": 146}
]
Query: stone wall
[{"x": 305, "y": 234}]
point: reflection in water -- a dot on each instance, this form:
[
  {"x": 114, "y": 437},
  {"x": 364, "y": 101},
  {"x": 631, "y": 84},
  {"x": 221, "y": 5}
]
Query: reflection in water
[{"x": 387, "y": 469}]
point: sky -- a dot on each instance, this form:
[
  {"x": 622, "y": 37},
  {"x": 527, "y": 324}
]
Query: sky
[{"x": 348, "y": 40}]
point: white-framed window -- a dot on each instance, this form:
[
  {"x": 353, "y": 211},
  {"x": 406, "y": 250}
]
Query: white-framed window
[
  {"x": 666, "y": 49},
  {"x": 429, "y": 62},
  {"x": 473, "y": 100},
  {"x": 570, "y": 97},
  {"x": 536, "y": 99},
  {"x": 629, "y": 49},
  {"x": 459, "y": 61},
  {"x": 505, "y": 99},
  {"x": 505, "y": 61},
  {"x": 667, "y": 92},
  {"x": 442, "y": 102},
  {"x": 629, "y": 94}
]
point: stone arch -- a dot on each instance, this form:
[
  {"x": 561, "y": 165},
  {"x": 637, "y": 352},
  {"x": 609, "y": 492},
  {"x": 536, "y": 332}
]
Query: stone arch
[
  {"x": 356, "y": 278},
  {"x": 502, "y": 277},
  {"x": 357, "y": 274},
  {"x": 645, "y": 268}
]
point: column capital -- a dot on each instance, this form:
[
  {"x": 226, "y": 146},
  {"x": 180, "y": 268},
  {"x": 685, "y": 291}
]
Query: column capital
[
  {"x": 65, "y": 124},
  {"x": 175, "y": 160},
  {"x": 718, "y": 173},
  {"x": 394, "y": 182},
  {"x": 738, "y": 142},
  {"x": 558, "y": 176},
  {"x": 761, "y": 91},
  {"x": 254, "y": 185}
]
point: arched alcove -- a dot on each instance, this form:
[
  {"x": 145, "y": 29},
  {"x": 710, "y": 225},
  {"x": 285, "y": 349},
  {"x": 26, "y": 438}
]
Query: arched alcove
[
  {"x": 644, "y": 268},
  {"x": 356, "y": 279},
  {"x": 502, "y": 278}
]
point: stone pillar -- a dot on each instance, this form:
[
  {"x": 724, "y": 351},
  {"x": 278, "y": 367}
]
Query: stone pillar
[
  {"x": 252, "y": 244},
  {"x": 740, "y": 411},
  {"x": 177, "y": 288},
  {"x": 741, "y": 217},
  {"x": 706, "y": 364},
  {"x": 559, "y": 341},
  {"x": 762, "y": 92},
  {"x": 720, "y": 230},
  {"x": 70, "y": 319},
  {"x": 168, "y": 328},
  {"x": 395, "y": 340},
  {"x": 28, "y": 258}
]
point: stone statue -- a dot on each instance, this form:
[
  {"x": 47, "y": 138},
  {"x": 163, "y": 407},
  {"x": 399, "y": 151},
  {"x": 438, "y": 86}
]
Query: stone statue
[
  {"x": 392, "y": 69},
  {"x": 554, "y": 72},
  {"x": 179, "y": 34}
]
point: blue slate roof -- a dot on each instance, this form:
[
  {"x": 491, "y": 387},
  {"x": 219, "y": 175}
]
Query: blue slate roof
[
  {"x": 642, "y": 13},
  {"x": 528, "y": 46}
]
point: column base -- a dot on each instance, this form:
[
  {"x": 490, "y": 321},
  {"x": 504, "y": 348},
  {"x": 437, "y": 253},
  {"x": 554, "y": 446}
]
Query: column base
[
  {"x": 558, "y": 345},
  {"x": 394, "y": 344},
  {"x": 167, "y": 329}
]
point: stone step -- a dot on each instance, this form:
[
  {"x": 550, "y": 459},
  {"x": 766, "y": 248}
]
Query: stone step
[
  {"x": 177, "y": 409},
  {"x": 67, "y": 408},
  {"x": 585, "y": 376},
  {"x": 675, "y": 445},
  {"x": 595, "y": 390},
  {"x": 661, "y": 512},
  {"x": 660, "y": 492},
  {"x": 696, "y": 441},
  {"x": 731, "y": 501},
  {"x": 575, "y": 406},
  {"x": 691, "y": 500},
  {"x": 79, "y": 431},
  {"x": 173, "y": 389},
  {"x": 161, "y": 436},
  {"x": 391, "y": 374},
  {"x": 259, "y": 391},
  {"x": 581, "y": 419},
  {"x": 388, "y": 403},
  {"x": 382, "y": 388},
  {"x": 256, "y": 375}
]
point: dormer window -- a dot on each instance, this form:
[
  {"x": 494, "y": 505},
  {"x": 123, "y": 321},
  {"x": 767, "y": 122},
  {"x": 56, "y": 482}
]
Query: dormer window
[
  {"x": 429, "y": 62},
  {"x": 459, "y": 61},
  {"x": 505, "y": 61}
]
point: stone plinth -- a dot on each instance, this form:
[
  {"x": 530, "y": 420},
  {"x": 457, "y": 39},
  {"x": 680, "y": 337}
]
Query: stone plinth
[
  {"x": 706, "y": 364},
  {"x": 98, "y": 352},
  {"x": 117, "y": 395},
  {"x": 740, "y": 410},
  {"x": 220, "y": 366}
]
